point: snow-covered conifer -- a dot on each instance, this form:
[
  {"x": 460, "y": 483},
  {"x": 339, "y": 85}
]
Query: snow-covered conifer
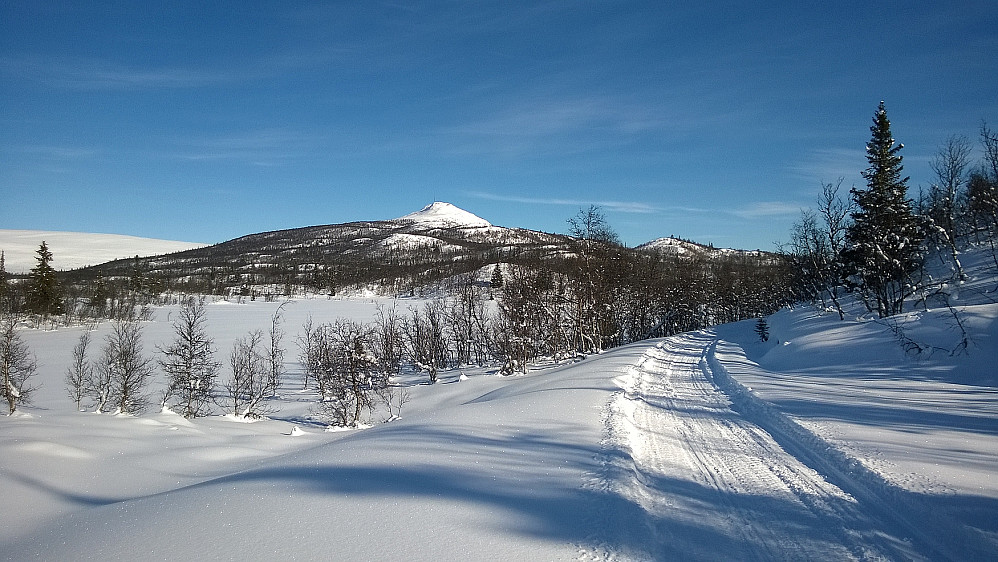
[
  {"x": 884, "y": 243},
  {"x": 43, "y": 287}
]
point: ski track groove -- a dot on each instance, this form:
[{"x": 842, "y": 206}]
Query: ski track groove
[
  {"x": 893, "y": 508},
  {"x": 705, "y": 458}
]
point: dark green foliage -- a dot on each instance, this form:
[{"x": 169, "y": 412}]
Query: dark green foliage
[
  {"x": 4, "y": 287},
  {"x": 496, "y": 283},
  {"x": 884, "y": 243},
  {"x": 762, "y": 330},
  {"x": 44, "y": 296}
]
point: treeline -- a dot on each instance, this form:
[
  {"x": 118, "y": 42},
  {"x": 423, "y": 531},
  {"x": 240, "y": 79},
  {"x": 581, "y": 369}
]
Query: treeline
[
  {"x": 597, "y": 296},
  {"x": 875, "y": 244}
]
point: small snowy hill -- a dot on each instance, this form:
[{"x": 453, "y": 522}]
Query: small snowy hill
[
  {"x": 445, "y": 215},
  {"x": 72, "y": 250},
  {"x": 674, "y": 247},
  {"x": 677, "y": 247}
]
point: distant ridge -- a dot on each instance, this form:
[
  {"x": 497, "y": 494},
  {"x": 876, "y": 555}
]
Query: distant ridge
[{"x": 72, "y": 250}]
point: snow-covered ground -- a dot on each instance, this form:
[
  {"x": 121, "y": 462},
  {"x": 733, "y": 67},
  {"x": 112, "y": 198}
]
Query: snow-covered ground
[
  {"x": 826, "y": 442},
  {"x": 72, "y": 250}
]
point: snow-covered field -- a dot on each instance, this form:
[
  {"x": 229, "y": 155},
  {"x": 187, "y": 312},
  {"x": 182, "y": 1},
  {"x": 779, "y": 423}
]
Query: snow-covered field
[{"x": 826, "y": 442}]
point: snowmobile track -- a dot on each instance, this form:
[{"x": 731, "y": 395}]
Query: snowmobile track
[{"x": 719, "y": 473}]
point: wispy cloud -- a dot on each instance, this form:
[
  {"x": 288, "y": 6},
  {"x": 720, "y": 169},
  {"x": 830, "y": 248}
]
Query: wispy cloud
[
  {"x": 555, "y": 121},
  {"x": 765, "y": 209},
  {"x": 554, "y": 116},
  {"x": 90, "y": 73},
  {"x": 266, "y": 147},
  {"x": 54, "y": 152},
  {"x": 97, "y": 74},
  {"x": 635, "y": 207},
  {"x": 829, "y": 164}
]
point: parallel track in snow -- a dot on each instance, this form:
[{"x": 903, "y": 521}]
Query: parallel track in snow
[{"x": 719, "y": 475}]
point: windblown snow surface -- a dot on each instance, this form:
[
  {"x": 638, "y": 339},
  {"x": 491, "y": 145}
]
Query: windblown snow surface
[{"x": 828, "y": 442}]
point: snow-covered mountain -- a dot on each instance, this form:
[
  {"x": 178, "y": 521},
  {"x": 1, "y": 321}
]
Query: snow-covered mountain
[
  {"x": 413, "y": 251},
  {"x": 72, "y": 250},
  {"x": 437, "y": 242},
  {"x": 444, "y": 215}
]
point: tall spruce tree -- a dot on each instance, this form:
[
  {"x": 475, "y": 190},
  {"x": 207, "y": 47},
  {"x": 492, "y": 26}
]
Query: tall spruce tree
[
  {"x": 4, "y": 289},
  {"x": 884, "y": 243},
  {"x": 43, "y": 287}
]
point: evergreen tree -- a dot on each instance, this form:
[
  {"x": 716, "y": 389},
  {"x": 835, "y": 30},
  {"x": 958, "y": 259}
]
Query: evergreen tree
[
  {"x": 43, "y": 287},
  {"x": 98, "y": 296},
  {"x": 137, "y": 283},
  {"x": 762, "y": 329},
  {"x": 496, "y": 282},
  {"x": 883, "y": 245},
  {"x": 4, "y": 289}
]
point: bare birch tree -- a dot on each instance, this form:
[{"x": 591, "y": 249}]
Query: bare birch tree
[
  {"x": 249, "y": 385},
  {"x": 17, "y": 365},
  {"x": 189, "y": 362},
  {"x": 275, "y": 353},
  {"x": 80, "y": 371},
  {"x": 122, "y": 370}
]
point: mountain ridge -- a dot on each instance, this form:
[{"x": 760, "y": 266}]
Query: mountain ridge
[
  {"x": 402, "y": 254},
  {"x": 425, "y": 228}
]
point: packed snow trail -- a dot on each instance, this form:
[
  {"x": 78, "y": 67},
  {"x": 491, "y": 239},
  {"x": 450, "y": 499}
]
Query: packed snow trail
[{"x": 714, "y": 484}]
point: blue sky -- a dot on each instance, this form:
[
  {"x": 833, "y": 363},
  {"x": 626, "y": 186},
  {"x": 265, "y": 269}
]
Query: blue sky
[{"x": 714, "y": 121}]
